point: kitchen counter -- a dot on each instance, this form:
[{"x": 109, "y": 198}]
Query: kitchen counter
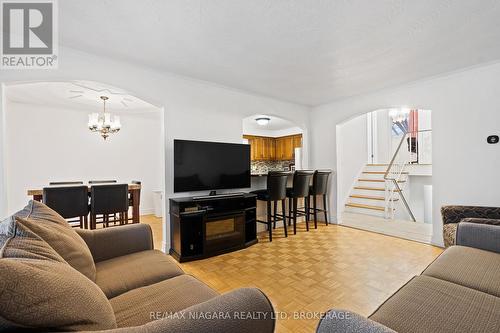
[{"x": 265, "y": 174}]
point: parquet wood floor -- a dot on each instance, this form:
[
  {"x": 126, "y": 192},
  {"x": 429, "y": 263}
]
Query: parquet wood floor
[{"x": 311, "y": 272}]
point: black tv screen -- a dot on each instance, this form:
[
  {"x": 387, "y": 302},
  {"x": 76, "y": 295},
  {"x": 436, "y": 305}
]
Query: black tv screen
[{"x": 200, "y": 165}]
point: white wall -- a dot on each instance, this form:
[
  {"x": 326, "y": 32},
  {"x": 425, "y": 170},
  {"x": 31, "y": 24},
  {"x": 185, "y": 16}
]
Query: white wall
[
  {"x": 193, "y": 109},
  {"x": 414, "y": 193},
  {"x": 383, "y": 137},
  {"x": 351, "y": 155},
  {"x": 3, "y": 188},
  {"x": 465, "y": 112},
  {"x": 53, "y": 144}
]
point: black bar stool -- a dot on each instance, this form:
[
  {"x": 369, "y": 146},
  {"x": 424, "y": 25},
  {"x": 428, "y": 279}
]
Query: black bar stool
[
  {"x": 319, "y": 188},
  {"x": 108, "y": 200},
  {"x": 70, "y": 202},
  {"x": 276, "y": 191},
  {"x": 299, "y": 189}
]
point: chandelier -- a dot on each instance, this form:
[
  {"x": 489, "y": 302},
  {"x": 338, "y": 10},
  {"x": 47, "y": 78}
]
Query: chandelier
[
  {"x": 399, "y": 115},
  {"x": 104, "y": 123}
]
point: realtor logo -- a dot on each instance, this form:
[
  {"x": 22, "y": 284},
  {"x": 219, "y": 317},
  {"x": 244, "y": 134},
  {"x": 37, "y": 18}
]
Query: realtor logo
[{"x": 29, "y": 34}]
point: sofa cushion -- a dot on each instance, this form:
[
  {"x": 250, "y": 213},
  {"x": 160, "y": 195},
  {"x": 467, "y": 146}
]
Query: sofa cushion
[
  {"x": 54, "y": 229},
  {"x": 17, "y": 241},
  {"x": 38, "y": 289},
  {"x": 426, "y": 305},
  {"x": 468, "y": 267},
  {"x": 159, "y": 300},
  {"x": 121, "y": 274}
]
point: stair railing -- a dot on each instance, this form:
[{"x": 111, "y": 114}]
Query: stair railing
[{"x": 394, "y": 176}]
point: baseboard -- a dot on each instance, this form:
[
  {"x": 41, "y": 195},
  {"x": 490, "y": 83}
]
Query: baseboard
[
  {"x": 147, "y": 211},
  {"x": 437, "y": 241}
]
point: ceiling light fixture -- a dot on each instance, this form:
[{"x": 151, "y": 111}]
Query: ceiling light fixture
[
  {"x": 263, "y": 121},
  {"x": 105, "y": 124}
]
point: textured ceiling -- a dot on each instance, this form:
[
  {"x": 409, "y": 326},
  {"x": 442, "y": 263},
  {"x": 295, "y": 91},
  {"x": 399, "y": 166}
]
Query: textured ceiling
[
  {"x": 310, "y": 51},
  {"x": 77, "y": 95}
]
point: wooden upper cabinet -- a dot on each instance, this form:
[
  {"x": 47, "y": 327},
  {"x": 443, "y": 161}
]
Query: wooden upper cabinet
[
  {"x": 271, "y": 149},
  {"x": 261, "y": 148},
  {"x": 297, "y": 141},
  {"x": 270, "y": 144}
]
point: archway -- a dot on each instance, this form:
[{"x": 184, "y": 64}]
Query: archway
[
  {"x": 277, "y": 144},
  {"x": 55, "y": 113},
  {"x": 384, "y": 167}
]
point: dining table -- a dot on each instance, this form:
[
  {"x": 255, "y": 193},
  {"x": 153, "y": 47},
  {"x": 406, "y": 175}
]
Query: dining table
[{"x": 134, "y": 190}]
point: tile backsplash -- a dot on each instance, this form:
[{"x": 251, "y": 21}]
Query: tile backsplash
[{"x": 259, "y": 167}]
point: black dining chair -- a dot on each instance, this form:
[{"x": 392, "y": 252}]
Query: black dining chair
[
  {"x": 108, "y": 200},
  {"x": 102, "y": 181},
  {"x": 275, "y": 191},
  {"x": 319, "y": 188},
  {"x": 299, "y": 189},
  {"x": 70, "y": 202},
  {"x": 65, "y": 183}
]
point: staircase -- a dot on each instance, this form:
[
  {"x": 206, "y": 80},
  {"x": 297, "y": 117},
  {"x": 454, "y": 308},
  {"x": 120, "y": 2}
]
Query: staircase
[{"x": 369, "y": 196}]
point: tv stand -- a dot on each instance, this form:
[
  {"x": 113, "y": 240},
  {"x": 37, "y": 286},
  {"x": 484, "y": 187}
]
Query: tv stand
[
  {"x": 214, "y": 195},
  {"x": 202, "y": 227}
]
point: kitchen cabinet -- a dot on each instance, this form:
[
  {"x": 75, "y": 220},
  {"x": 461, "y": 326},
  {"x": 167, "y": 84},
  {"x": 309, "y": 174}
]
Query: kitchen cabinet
[
  {"x": 284, "y": 148},
  {"x": 272, "y": 149},
  {"x": 261, "y": 148}
]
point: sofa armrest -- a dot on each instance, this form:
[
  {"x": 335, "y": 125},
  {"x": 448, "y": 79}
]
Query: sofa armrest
[
  {"x": 114, "y": 242},
  {"x": 245, "y": 310},
  {"x": 455, "y": 214},
  {"x": 481, "y": 220},
  {"x": 481, "y": 236},
  {"x": 349, "y": 322}
]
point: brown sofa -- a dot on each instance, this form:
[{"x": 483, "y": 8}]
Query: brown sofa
[
  {"x": 452, "y": 215},
  {"x": 458, "y": 292},
  {"x": 54, "y": 278}
]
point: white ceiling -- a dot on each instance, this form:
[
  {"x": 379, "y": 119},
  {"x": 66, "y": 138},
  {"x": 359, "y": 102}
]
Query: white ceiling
[
  {"x": 78, "y": 95},
  {"x": 306, "y": 51},
  {"x": 275, "y": 124}
]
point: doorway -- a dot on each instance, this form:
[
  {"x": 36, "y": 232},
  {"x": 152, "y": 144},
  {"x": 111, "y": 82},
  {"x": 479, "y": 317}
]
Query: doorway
[
  {"x": 385, "y": 172},
  {"x": 47, "y": 139}
]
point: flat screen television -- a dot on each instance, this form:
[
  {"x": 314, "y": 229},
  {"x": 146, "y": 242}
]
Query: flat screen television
[{"x": 200, "y": 165}]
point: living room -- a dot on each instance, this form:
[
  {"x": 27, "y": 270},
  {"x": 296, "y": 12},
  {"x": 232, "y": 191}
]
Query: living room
[{"x": 207, "y": 67}]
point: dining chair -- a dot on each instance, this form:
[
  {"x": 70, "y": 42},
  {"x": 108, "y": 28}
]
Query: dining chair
[
  {"x": 138, "y": 193},
  {"x": 108, "y": 200},
  {"x": 70, "y": 202},
  {"x": 102, "y": 181},
  {"x": 65, "y": 183}
]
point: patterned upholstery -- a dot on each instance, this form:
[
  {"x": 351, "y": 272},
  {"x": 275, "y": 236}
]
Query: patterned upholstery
[
  {"x": 449, "y": 234},
  {"x": 474, "y": 214}
]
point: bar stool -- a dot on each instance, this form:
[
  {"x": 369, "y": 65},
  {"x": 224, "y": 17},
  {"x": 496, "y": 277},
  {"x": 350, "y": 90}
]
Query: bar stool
[
  {"x": 70, "y": 202},
  {"x": 108, "y": 200},
  {"x": 299, "y": 189},
  {"x": 275, "y": 191},
  {"x": 319, "y": 188}
]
